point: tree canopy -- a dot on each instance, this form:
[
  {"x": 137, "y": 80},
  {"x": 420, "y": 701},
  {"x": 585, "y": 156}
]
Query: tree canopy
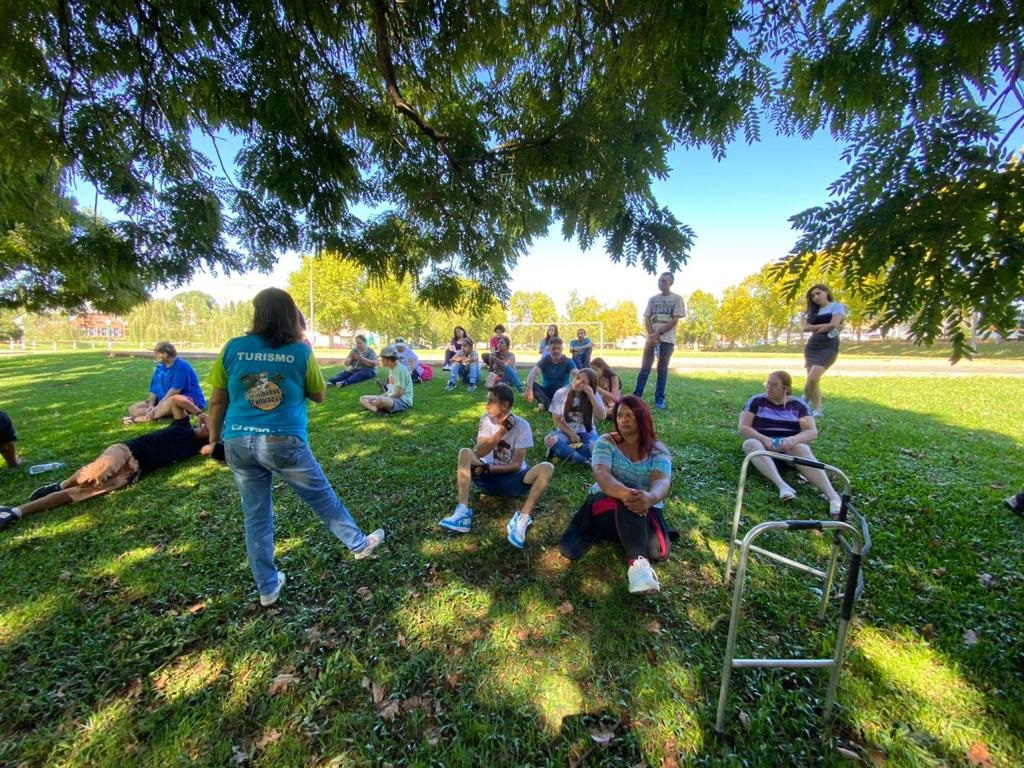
[{"x": 437, "y": 140}]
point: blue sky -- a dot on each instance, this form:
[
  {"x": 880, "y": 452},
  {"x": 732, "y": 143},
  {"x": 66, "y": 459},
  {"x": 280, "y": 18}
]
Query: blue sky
[{"x": 738, "y": 207}]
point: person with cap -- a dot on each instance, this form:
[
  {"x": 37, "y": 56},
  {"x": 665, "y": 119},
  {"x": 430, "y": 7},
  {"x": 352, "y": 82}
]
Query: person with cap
[
  {"x": 398, "y": 394},
  {"x": 409, "y": 359},
  {"x": 497, "y": 466}
]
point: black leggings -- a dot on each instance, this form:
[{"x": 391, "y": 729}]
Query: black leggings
[{"x": 605, "y": 519}]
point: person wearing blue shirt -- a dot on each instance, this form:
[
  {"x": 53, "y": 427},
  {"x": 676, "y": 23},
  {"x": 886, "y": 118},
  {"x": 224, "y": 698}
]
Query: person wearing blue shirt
[
  {"x": 261, "y": 382},
  {"x": 555, "y": 369},
  {"x": 172, "y": 376}
]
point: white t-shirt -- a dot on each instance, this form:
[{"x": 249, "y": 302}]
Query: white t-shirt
[
  {"x": 520, "y": 436},
  {"x": 575, "y": 419},
  {"x": 661, "y": 309}
]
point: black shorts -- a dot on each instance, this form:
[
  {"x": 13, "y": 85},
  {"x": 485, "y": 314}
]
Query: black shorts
[{"x": 7, "y": 433}]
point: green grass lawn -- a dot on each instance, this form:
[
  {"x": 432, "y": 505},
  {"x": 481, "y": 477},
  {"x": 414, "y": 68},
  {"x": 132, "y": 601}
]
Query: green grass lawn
[{"x": 130, "y": 632}]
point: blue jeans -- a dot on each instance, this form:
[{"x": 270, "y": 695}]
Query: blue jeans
[
  {"x": 664, "y": 355},
  {"x": 582, "y": 359},
  {"x": 466, "y": 371},
  {"x": 255, "y": 460},
  {"x": 580, "y": 455},
  {"x": 346, "y": 378}
]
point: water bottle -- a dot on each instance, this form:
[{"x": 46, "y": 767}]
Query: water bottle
[
  {"x": 776, "y": 443},
  {"x": 38, "y": 469},
  {"x": 833, "y": 333}
]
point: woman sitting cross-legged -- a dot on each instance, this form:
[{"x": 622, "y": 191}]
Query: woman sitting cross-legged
[
  {"x": 574, "y": 409},
  {"x": 502, "y": 366},
  {"x": 777, "y": 421},
  {"x": 633, "y": 473}
]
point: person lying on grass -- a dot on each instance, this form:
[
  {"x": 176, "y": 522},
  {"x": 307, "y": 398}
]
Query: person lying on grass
[
  {"x": 121, "y": 464},
  {"x": 632, "y": 477},
  {"x": 398, "y": 394},
  {"x": 777, "y": 421},
  {"x": 497, "y": 467}
]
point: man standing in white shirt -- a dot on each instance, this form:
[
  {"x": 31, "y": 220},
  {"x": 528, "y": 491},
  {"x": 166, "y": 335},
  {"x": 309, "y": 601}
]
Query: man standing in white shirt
[{"x": 664, "y": 310}]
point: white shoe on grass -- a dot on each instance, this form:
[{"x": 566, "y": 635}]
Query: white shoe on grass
[
  {"x": 642, "y": 578},
  {"x": 268, "y": 600},
  {"x": 372, "y": 541},
  {"x": 516, "y": 529}
]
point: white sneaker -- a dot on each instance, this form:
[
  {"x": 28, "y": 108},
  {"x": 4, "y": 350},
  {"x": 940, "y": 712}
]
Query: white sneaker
[
  {"x": 268, "y": 600},
  {"x": 642, "y": 578},
  {"x": 516, "y": 529},
  {"x": 834, "y": 507},
  {"x": 372, "y": 541}
]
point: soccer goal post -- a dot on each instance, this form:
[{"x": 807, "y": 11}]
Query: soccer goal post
[{"x": 528, "y": 335}]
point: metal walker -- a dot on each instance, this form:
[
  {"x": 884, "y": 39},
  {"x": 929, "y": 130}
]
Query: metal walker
[{"x": 850, "y": 535}]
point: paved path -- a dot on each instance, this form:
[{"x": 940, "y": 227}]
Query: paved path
[{"x": 850, "y": 366}]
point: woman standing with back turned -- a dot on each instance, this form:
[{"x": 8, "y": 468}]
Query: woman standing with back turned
[{"x": 261, "y": 382}]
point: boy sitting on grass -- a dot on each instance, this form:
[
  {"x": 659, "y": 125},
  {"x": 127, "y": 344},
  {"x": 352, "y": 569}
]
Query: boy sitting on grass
[
  {"x": 121, "y": 464},
  {"x": 497, "y": 466},
  {"x": 398, "y": 394}
]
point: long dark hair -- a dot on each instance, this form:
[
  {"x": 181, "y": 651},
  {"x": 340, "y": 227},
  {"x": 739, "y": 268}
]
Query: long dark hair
[
  {"x": 812, "y": 308},
  {"x": 275, "y": 318},
  {"x": 644, "y": 422},
  {"x": 548, "y": 335},
  {"x": 604, "y": 371},
  {"x": 455, "y": 334},
  {"x": 585, "y": 405}
]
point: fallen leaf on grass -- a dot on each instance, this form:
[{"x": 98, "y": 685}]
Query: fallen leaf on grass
[
  {"x": 376, "y": 692},
  {"x": 938, "y": 573},
  {"x": 913, "y": 454},
  {"x": 602, "y": 735},
  {"x": 877, "y": 757},
  {"x": 523, "y": 635},
  {"x": 970, "y": 638},
  {"x": 401, "y": 641},
  {"x": 268, "y": 738},
  {"x": 453, "y": 680},
  {"x": 978, "y": 754},
  {"x": 280, "y": 683},
  {"x": 654, "y": 627},
  {"x": 928, "y": 631},
  {"x": 65, "y": 575},
  {"x": 744, "y": 720},
  {"x": 365, "y": 593},
  {"x": 197, "y": 608},
  {"x": 565, "y": 608},
  {"x": 388, "y": 711}
]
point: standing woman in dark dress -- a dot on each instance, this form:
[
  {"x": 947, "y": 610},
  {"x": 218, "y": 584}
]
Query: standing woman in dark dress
[{"x": 823, "y": 320}]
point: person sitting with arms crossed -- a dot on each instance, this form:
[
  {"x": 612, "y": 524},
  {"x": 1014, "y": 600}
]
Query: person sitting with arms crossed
[
  {"x": 497, "y": 466},
  {"x": 360, "y": 363},
  {"x": 121, "y": 464}
]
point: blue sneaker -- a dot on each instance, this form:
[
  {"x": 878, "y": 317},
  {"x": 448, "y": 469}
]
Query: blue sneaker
[
  {"x": 460, "y": 521},
  {"x": 660, "y": 405},
  {"x": 517, "y": 529}
]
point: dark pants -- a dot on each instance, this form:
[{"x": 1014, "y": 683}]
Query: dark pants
[
  {"x": 664, "y": 356},
  {"x": 448, "y": 355},
  {"x": 543, "y": 394},
  {"x": 582, "y": 359},
  {"x": 346, "y": 378},
  {"x": 605, "y": 519}
]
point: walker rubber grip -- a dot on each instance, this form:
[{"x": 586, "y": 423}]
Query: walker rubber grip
[
  {"x": 804, "y": 525},
  {"x": 846, "y": 611},
  {"x": 807, "y": 462}
]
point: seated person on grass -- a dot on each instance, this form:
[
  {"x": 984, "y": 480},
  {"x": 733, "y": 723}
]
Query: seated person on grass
[
  {"x": 172, "y": 376},
  {"x": 398, "y": 393},
  {"x": 502, "y": 365},
  {"x": 492, "y": 343},
  {"x": 575, "y": 409},
  {"x": 360, "y": 363},
  {"x": 121, "y": 463},
  {"x": 8, "y": 437},
  {"x": 581, "y": 348},
  {"x": 632, "y": 473},
  {"x": 454, "y": 346},
  {"x": 497, "y": 467},
  {"x": 556, "y": 371},
  {"x": 409, "y": 359},
  {"x": 465, "y": 365},
  {"x": 609, "y": 385},
  {"x": 776, "y": 421}
]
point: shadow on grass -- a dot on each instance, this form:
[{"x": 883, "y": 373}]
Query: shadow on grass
[{"x": 136, "y": 632}]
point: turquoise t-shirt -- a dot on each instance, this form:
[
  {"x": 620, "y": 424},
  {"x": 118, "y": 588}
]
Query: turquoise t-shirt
[
  {"x": 266, "y": 387},
  {"x": 399, "y": 376},
  {"x": 632, "y": 474}
]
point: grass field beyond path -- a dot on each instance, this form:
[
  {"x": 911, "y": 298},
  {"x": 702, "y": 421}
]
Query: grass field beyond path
[{"x": 130, "y": 632}]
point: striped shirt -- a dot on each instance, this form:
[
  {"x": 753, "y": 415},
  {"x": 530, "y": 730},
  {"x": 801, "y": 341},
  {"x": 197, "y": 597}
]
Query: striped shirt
[
  {"x": 773, "y": 420},
  {"x": 632, "y": 474}
]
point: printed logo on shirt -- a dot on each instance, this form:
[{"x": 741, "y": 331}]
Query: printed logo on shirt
[
  {"x": 503, "y": 453},
  {"x": 262, "y": 391},
  {"x": 575, "y": 418}
]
